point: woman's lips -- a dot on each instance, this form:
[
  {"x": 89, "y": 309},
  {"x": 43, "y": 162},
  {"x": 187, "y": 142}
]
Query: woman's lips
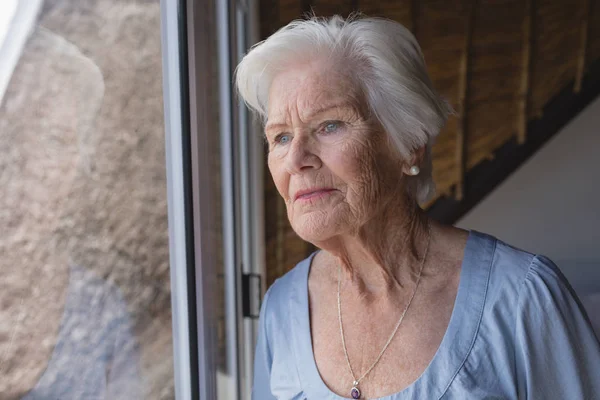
[{"x": 314, "y": 194}]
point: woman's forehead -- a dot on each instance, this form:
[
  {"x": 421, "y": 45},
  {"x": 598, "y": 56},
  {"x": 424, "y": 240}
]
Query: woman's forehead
[{"x": 309, "y": 92}]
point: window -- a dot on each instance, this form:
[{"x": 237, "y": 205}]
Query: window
[
  {"x": 130, "y": 201},
  {"x": 85, "y": 293}
]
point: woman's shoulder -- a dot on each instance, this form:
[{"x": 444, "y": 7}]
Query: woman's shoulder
[
  {"x": 515, "y": 258},
  {"x": 518, "y": 274},
  {"x": 486, "y": 257},
  {"x": 532, "y": 325},
  {"x": 522, "y": 287},
  {"x": 507, "y": 262}
]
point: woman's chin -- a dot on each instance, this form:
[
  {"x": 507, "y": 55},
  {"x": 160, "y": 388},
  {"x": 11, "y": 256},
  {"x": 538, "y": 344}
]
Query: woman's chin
[{"x": 315, "y": 227}]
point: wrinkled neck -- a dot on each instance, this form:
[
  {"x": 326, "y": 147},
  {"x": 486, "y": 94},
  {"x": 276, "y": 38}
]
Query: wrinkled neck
[{"x": 384, "y": 254}]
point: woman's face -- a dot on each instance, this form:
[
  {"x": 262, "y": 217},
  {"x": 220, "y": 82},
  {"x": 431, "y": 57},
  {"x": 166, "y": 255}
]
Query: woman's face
[{"x": 333, "y": 166}]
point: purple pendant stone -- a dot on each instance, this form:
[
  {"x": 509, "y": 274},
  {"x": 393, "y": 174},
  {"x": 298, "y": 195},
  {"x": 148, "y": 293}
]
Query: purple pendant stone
[{"x": 355, "y": 393}]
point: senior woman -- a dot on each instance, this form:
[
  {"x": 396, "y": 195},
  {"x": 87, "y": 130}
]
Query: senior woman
[{"x": 393, "y": 305}]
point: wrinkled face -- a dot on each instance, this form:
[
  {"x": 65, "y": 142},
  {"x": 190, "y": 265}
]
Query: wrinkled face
[{"x": 333, "y": 167}]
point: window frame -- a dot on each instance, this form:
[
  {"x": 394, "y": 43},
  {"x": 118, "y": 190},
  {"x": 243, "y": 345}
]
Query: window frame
[{"x": 193, "y": 33}]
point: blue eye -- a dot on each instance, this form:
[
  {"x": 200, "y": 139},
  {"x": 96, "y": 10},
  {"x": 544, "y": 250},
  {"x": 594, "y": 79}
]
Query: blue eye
[
  {"x": 283, "y": 138},
  {"x": 331, "y": 127}
]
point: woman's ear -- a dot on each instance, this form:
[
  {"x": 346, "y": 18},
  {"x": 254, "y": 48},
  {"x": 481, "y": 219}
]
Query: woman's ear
[{"x": 412, "y": 166}]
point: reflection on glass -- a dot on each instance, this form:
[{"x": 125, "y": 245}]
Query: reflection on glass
[{"x": 85, "y": 294}]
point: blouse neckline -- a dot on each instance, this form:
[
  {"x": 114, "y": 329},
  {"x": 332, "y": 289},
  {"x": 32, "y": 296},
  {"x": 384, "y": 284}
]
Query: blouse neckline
[{"x": 455, "y": 346}]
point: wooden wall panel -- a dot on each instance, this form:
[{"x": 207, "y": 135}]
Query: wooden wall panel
[
  {"x": 495, "y": 73},
  {"x": 491, "y": 125},
  {"x": 444, "y": 165},
  {"x": 289, "y": 10},
  {"x": 584, "y": 19},
  {"x": 269, "y": 17},
  {"x": 398, "y": 10},
  {"x": 593, "y": 49},
  {"x": 332, "y": 7},
  {"x": 441, "y": 30},
  {"x": 555, "y": 50},
  {"x": 496, "y": 46}
]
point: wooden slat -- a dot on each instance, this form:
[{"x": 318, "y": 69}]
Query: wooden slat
[
  {"x": 463, "y": 87},
  {"x": 327, "y": 8},
  {"x": 556, "y": 39},
  {"x": 524, "y": 90},
  {"x": 398, "y": 10},
  {"x": 593, "y": 40},
  {"x": 269, "y": 17},
  {"x": 414, "y": 14},
  {"x": 371, "y": 8},
  {"x": 290, "y": 10},
  {"x": 581, "y": 59}
]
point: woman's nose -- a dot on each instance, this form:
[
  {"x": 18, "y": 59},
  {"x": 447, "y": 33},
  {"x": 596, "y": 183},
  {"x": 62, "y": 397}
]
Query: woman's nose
[{"x": 301, "y": 155}]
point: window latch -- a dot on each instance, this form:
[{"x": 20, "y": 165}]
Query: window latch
[{"x": 251, "y": 299}]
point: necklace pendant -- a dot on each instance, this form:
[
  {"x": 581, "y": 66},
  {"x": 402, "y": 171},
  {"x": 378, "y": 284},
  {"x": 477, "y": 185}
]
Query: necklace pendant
[{"x": 355, "y": 393}]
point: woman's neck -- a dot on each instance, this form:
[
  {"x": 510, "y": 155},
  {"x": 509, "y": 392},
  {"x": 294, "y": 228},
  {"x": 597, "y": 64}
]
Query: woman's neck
[{"x": 383, "y": 254}]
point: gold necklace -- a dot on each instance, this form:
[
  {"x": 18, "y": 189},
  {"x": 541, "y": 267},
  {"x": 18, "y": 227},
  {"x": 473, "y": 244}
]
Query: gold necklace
[{"x": 355, "y": 391}]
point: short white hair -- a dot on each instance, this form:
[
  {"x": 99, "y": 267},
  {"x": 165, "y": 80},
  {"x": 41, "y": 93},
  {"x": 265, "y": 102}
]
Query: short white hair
[{"x": 386, "y": 63}]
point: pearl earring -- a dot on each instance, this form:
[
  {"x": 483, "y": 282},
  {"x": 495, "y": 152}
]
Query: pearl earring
[{"x": 414, "y": 170}]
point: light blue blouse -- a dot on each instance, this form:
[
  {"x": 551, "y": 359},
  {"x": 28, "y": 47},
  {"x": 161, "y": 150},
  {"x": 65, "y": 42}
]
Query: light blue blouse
[{"x": 517, "y": 331}]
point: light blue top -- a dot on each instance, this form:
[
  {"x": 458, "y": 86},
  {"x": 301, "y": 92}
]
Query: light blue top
[{"x": 517, "y": 331}]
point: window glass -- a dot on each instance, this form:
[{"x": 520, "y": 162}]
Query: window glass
[{"x": 85, "y": 307}]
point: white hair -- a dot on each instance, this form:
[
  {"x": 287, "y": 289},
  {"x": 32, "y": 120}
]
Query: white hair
[{"x": 386, "y": 63}]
